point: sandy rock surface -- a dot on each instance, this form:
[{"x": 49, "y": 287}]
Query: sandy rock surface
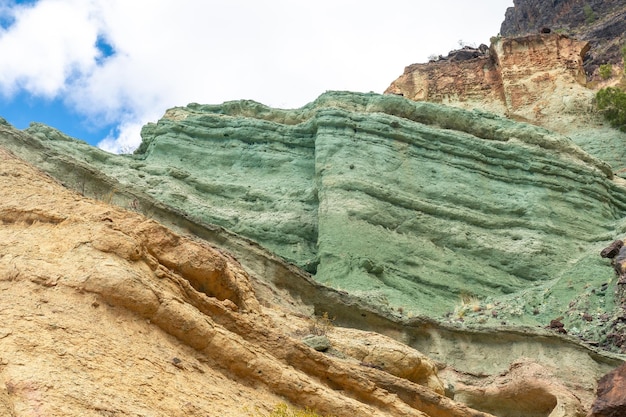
[
  {"x": 106, "y": 312},
  {"x": 538, "y": 78}
]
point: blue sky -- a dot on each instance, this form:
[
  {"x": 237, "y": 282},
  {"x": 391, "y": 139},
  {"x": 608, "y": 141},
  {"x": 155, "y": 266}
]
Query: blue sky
[{"x": 100, "y": 69}]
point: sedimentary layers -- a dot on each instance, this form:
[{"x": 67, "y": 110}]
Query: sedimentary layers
[
  {"x": 537, "y": 78},
  {"x": 456, "y": 235},
  {"x": 107, "y": 312},
  {"x": 600, "y": 22},
  {"x": 421, "y": 208}
]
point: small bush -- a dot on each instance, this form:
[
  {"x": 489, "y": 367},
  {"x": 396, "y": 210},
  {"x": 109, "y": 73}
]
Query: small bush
[
  {"x": 590, "y": 15},
  {"x": 495, "y": 39},
  {"x": 321, "y": 325},
  {"x": 606, "y": 71},
  {"x": 611, "y": 102}
]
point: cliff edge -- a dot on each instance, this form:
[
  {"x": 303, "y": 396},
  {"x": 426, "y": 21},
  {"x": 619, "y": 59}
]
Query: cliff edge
[
  {"x": 602, "y": 23},
  {"x": 537, "y": 78}
]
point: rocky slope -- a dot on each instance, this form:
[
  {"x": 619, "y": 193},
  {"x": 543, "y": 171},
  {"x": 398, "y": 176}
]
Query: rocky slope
[
  {"x": 108, "y": 312},
  {"x": 602, "y": 23},
  {"x": 362, "y": 255},
  {"x": 80, "y": 279}
]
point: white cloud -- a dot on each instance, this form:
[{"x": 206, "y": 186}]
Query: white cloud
[
  {"x": 124, "y": 138},
  {"x": 46, "y": 46},
  {"x": 169, "y": 53}
]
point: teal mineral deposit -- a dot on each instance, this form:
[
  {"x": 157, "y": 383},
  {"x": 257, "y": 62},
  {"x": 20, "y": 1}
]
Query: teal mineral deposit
[{"x": 428, "y": 210}]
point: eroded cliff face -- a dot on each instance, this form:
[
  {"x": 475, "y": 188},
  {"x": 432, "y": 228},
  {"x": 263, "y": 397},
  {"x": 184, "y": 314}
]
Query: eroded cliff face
[
  {"x": 537, "y": 78},
  {"x": 602, "y": 23},
  {"x": 108, "y": 312},
  {"x": 443, "y": 242},
  {"x": 422, "y": 209}
]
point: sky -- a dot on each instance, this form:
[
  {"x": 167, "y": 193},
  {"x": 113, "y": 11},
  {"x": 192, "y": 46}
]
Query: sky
[{"x": 98, "y": 70}]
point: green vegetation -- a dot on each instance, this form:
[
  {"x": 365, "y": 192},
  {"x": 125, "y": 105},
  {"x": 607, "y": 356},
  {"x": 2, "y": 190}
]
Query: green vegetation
[
  {"x": 590, "y": 15},
  {"x": 606, "y": 71},
  {"x": 612, "y": 103},
  {"x": 321, "y": 325},
  {"x": 283, "y": 410}
]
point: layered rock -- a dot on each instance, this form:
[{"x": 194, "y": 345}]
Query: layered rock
[
  {"x": 422, "y": 209},
  {"x": 537, "y": 78},
  {"x": 426, "y": 218},
  {"x": 600, "y": 22},
  {"x": 108, "y": 312}
]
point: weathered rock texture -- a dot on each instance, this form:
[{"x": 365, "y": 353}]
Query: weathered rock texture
[
  {"x": 423, "y": 214},
  {"x": 106, "y": 312},
  {"x": 611, "y": 401},
  {"x": 421, "y": 209},
  {"x": 600, "y": 22},
  {"x": 537, "y": 78}
]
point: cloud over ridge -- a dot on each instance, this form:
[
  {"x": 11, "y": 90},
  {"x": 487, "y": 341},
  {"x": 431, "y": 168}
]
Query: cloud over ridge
[{"x": 123, "y": 63}]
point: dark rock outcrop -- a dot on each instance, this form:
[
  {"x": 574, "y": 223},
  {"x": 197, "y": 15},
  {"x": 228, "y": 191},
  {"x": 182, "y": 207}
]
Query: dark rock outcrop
[
  {"x": 612, "y": 250},
  {"x": 611, "y": 395},
  {"x": 464, "y": 54},
  {"x": 600, "y": 22}
]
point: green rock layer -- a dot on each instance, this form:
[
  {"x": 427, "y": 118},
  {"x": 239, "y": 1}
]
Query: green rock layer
[{"x": 430, "y": 210}]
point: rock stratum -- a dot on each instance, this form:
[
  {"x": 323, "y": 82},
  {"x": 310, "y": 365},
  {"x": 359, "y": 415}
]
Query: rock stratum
[
  {"x": 106, "y": 312},
  {"x": 602, "y": 23},
  {"x": 543, "y": 70},
  {"x": 444, "y": 243},
  {"x": 538, "y": 78}
]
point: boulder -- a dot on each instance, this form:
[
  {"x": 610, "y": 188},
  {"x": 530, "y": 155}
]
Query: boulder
[
  {"x": 318, "y": 342},
  {"x": 611, "y": 395}
]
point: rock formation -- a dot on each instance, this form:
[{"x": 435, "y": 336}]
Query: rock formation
[
  {"x": 362, "y": 255},
  {"x": 537, "y": 78},
  {"x": 602, "y": 23},
  {"x": 542, "y": 70},
  {"x": 456, "y": 235},
  {"x": 106, "y": 312},
  {"x": 611, "y": 401}
]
